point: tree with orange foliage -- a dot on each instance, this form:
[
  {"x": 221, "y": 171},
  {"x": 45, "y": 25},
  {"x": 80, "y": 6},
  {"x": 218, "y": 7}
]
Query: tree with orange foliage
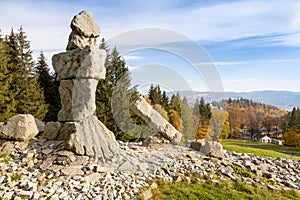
[
  {"x": 175, "y": 120},
  {"x": 203, "y": 128}
]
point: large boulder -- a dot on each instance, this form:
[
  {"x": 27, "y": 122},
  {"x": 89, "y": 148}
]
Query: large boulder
[
  {"x": 87, "y": 137},
  {"x": 143, "y": 109},
  {"x": 84, "y": 31},
  {"x": 212, "y": 149},
  {"x": 84, "y": 24},
  {"x": 20, "y": 128}
]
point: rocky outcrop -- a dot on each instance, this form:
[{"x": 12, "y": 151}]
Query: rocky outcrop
[
  {"x": 44, "y": 170},
  {"x": 165, "y": 131},
  {"x": 19, "y": 127},
  {"x": 79, "y": 69}
]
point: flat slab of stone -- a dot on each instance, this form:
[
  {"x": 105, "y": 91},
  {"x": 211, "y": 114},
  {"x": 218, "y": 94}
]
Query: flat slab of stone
[
  {"x": 19, "y": 127},
  {"x": 80, "y": 63},
  {"x": 143, "y": 109}
]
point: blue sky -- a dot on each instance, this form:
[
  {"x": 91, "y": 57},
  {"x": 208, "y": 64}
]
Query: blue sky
[{"x": 254, "y": 45}]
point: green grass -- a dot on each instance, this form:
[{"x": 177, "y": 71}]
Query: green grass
[
  {"x": 262, "y": 149},
  {"x": 16, "y": 176},
  {"x": 5, "y": 158},
  {"x": 218, "y": 191}
]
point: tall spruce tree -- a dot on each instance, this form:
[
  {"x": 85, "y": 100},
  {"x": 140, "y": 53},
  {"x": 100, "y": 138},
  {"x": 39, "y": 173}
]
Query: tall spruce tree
[
  {"x": 25, "y": 92},
  {"x": 50, "y": 87},
  {"x": 113, "y": 96},
  {"x": 155, "y": 94},
  {"x": 165, "y": 101},
  {"x": 7, "y": 103},
  {"x": 175, "y": 103}
]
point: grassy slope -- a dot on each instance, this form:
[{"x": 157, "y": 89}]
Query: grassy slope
[
  {"x": 261, "y": 149},
  {"x": 226, "y": 190},
  {"x": 219, "y": 191}
]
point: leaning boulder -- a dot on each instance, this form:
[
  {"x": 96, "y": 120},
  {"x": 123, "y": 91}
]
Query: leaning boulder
[
  {"x": 19, "y": 128},
  {"x": 141, "y": 107}
]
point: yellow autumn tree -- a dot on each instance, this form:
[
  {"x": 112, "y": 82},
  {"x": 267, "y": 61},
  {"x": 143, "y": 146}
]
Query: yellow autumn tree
[
  {"x": 203, "y": 128},
  {"x": 292, "y": 138},
  {"x": 161, "y": 111}
]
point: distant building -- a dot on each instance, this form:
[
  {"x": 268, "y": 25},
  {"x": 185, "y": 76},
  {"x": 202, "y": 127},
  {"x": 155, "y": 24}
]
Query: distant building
[
  {"x": 265, "y": 139},
  {"x": 262, "y": 138},
  {"x": 278, "y": 142}
]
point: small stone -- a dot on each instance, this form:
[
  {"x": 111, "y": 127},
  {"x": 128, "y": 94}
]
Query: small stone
[
  {"x": 72, "y": 171},
  {"x": 36, "y": 196},
  {"x": 147, "y": 194},
  {"x": 291, "y": 184},
  {"x": 176, "y": 179},
  {"x": 25, "y": 194},
  {"x": 8, "y": 195},
  {"x": 126, "y": 166}
]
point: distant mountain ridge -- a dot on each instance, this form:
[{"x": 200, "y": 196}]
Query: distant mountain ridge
[{"x": 282, "y": 99}]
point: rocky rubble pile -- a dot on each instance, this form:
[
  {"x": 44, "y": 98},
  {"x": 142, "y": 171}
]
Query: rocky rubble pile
[{"x": 44, "y": 170}]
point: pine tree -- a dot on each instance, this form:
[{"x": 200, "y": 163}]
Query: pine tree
[
  {"x": 165, "y": 101},
  {"x": 50, "y": 87},
  {"x": 196, "y": 109},
  {"x": 155, "y": 95},
  {"x": 26, "y": 96},
  {"x": 7, "y": 96},
  {"x": 187, "y": 118},
  {"x": 175, "y": 103},
  {"x": 113, "y": 97}
]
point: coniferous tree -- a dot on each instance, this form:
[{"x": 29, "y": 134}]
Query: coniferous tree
[
  {"x": 26, "y": 95},
  {"x": 50, "y": 87},
  {"x": 196, "y": 109},
  {"x": 155, "y": 95},
  {"x": 7, "y": 96},
  {"x": 113, "y": 96},
  {"x": 165, "y": 101},
  {"x": 175, "y": 103},
  {"x": 187, "y": 118}
]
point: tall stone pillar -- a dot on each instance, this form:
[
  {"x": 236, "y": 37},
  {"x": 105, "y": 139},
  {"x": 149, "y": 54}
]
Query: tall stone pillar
[{"x": 79, "y": 69}]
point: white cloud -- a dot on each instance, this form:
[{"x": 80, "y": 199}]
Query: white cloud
[
  {"x": 47, "y": 22},
  {"x": 130, "y": 57}
]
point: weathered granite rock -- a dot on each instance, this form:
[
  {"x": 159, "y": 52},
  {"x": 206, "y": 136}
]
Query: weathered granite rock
[
  {"x": 85, "y": 25},
  {"x": 196, "y": 145},
  {"x": 213, "y": 149},
  {"x": 84, "y": 31},
  {"x": 77, "y": 41},
  {"x": 40, "y": 125},
  {"x": 78, "y": 99},
  {"x": 79, "y": 70},
  {"x": 80, "y": 63},
  {"x": 140, "y": 107},
  {"x": 19, "y": 127}
]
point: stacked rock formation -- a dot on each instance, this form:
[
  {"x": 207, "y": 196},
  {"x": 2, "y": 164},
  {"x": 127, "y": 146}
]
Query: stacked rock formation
[{"x": 79, "y": 69}]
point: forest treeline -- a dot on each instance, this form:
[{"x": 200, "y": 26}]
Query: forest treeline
[{"x": 29, "y": 86}]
